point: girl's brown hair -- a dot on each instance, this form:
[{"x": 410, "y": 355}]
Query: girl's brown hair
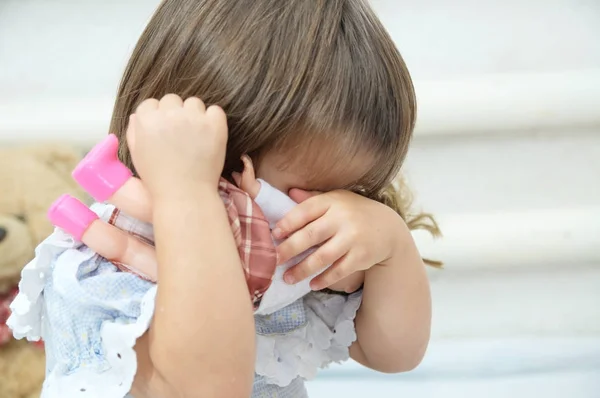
[{"x": 287, "y": 74}]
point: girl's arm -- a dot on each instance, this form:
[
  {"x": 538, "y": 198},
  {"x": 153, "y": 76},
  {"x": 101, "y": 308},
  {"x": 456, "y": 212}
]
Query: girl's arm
[
  {"x": 201, "y": 341},
  {"x": 393, "y": 323}
]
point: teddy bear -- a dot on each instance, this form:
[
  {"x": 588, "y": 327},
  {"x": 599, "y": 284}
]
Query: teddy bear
[{"x": 31, "y": 178}]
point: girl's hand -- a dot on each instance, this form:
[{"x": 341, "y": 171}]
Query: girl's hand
[
  {"x": 177, "y": 144},
  {"x": 354, "y": 232},
  {"x": 349, "y": 284}
]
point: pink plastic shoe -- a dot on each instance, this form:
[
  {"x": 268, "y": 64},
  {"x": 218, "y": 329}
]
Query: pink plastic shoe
[
  {"x": 101, "y": 173},
  {"x": 72, "y": 216}
]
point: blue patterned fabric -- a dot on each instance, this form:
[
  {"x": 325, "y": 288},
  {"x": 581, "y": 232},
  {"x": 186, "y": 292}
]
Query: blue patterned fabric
[
  {"x": 90, "y": 314},
  {"x": 76, "y": 312}
]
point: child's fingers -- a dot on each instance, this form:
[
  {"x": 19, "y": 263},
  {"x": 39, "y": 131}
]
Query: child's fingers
[
  {"x": 194, "y": 103},
  {"x": 170, "y": 101},
  {"x": 300, "y": 216},
  {"x": 338, "y": 271},
  {"x": 217, "y": 115},
  {"x": 309, "y": 236},
  {"x": 325, "y": 255},
  {"x": 150, "y": 104}
]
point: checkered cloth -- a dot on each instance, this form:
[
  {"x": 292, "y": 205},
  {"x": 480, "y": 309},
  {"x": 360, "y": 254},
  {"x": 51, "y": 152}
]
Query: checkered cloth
[{"x": 250, "y": 229}]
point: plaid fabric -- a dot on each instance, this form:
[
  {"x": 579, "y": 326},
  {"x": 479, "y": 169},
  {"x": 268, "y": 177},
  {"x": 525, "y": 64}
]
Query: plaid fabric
[{"x": 250, "y": 229}]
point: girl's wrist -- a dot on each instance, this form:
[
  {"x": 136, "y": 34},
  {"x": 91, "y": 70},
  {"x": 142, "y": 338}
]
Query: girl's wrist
[
  {"x": 186, "y": 195},
  {"x": 181, "y": 204},
  {"x": 401, "y": 241}
]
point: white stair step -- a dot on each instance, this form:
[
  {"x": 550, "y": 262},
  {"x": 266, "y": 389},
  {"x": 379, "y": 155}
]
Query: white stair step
[{"x": 555, "y": 301}]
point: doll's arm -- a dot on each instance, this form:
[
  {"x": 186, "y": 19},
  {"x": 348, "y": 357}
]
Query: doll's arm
[
  {"x": 108, "y": 241},
  {"x": 106, "y": 179},
  {"x": 273, "y": 203},
  {"x": 247, "y": 181}
]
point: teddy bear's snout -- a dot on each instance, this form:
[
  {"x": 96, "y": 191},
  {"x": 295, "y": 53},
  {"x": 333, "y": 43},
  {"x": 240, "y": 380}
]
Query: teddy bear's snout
[{"x": 3, "y": 233}]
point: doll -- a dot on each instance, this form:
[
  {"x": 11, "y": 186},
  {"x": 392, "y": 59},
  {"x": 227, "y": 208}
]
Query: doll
[{"x": 106, "y": 179}]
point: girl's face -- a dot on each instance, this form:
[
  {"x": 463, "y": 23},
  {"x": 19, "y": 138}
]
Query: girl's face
[{"x": 322, "y": 176}]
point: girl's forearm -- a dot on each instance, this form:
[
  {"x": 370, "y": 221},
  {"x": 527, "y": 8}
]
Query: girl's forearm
[
  {"x": 202, "y": 335},
  {"x": 394, "y": 321}
]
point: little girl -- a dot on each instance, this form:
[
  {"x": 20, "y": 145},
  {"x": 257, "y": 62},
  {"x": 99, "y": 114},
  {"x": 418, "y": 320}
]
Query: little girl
[{"x": 319, "y": 97}]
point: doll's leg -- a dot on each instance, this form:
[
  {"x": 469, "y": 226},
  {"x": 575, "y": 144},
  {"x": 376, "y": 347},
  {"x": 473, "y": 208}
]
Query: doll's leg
[
  {"x": 106, "y": 179},
  {"x": 108, "y": 241}
]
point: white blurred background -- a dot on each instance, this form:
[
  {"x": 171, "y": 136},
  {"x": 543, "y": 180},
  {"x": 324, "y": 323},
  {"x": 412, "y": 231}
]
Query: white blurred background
[{"x": 506, "y": 155}]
